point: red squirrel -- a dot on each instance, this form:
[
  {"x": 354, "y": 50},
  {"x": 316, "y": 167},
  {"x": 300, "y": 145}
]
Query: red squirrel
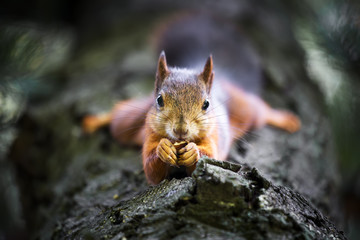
[{"x": 190, "y": 115}]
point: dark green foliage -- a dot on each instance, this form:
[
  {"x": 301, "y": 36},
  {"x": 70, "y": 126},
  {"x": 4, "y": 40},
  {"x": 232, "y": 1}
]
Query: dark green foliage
[
  {"x": 72, "y": 185},
  {"x": 337, "y": 33}
]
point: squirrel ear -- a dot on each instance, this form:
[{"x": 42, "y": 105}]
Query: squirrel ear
[
  {"x": 162, "y": 71},
  {"x": 207, "y": 74}
]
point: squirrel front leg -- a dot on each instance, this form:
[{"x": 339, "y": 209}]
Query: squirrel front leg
[{"x": 158, "y": 157}]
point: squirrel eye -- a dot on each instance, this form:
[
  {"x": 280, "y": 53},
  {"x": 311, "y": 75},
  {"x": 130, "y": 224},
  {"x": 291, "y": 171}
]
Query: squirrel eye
[
  {"x": 205, "y": 105},
  {"x": 160, "y": 101}
]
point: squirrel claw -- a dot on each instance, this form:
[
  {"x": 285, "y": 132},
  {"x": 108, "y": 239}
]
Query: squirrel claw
[
  {"x": 166, "y": 152},
  {"x": 90, "y": 124},
  {"x": 284, "y": 120},
  {"x": 293, "y": 123}
]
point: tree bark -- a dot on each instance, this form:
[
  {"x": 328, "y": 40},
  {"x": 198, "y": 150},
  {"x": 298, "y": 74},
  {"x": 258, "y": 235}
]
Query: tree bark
[{"x": 77, "y": 186}]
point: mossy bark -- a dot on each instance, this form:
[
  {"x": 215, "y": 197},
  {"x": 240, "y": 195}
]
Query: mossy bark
[
  {"x": 220, "y": 201},
  {"x": 77, "y": 186}
]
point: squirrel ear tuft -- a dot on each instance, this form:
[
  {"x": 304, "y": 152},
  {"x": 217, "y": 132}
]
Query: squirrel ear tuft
[
  {"x": 162, "y": 71},
  {"x": 207, "y": 74}
]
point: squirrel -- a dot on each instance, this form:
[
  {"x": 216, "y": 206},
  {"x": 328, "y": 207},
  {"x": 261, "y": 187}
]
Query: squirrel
[
  {"x": 188, "y": 107},
  {"x": 190, "y": 114}
]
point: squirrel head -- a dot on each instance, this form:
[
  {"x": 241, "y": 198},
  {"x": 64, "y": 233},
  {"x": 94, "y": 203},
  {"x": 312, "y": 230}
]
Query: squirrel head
[{"x": 182, "y": 106}]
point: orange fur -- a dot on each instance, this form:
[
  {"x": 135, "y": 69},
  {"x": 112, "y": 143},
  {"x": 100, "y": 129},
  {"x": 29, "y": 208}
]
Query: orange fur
[{"x": 180, "y": 116}]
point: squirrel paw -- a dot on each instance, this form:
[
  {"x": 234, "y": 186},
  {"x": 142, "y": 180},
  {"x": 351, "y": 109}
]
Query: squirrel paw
[
  {"x": 284, "y": 120},
  {"x": 93, "y": 122},
  {"x": 292, "y": 122},
  {"x": 188, "y": 155},
  {"x": 166, "y": 152},
  {"x": 90, "y": 124}
]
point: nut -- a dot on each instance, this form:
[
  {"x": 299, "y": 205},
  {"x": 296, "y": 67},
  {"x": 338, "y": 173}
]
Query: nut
[{"x": 180, "y": 145}]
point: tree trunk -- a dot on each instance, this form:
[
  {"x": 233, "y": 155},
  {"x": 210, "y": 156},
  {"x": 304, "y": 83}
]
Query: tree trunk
[{"x": 275, "y": 184}]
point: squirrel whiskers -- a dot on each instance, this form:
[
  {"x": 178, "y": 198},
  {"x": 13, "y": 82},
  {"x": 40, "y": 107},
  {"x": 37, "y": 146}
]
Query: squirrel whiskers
[{"x": 188, "y": 117}]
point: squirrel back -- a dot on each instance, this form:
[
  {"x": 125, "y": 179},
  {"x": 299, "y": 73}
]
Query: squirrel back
[{"x": 189, "y": 38}]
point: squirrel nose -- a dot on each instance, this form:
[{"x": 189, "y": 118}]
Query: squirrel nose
[{"x": 180, "y": 131}]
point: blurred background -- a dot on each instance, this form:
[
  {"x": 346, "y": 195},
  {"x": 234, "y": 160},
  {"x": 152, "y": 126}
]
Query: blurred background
[{"x": 60, "y": 60}]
